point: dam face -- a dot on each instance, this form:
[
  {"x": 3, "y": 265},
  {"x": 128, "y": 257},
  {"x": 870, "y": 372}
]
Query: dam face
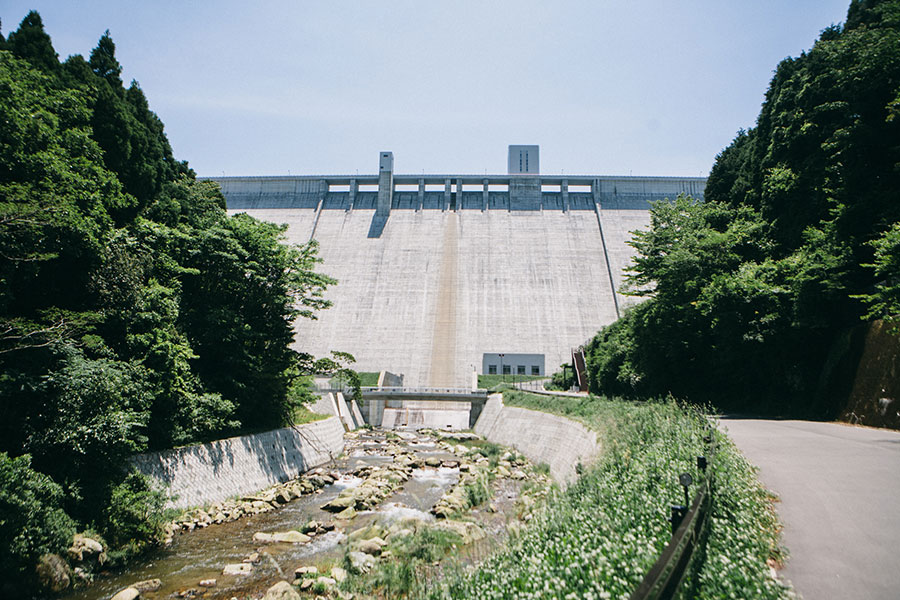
[{"x": 431, "y": 279}]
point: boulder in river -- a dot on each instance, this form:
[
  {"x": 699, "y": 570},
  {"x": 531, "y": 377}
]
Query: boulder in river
[
  {"x": 347, "y": 514},
  {"x": 360, "y": 562},
  {"x": 372, "y": 546},
  {"x": 300, "y": 572},
  {"x": 344, "y": 501},
  {"x": 282, "y": 537},
  {"x": 86, "y": 549},
  {"x": 469, "y": 532},
  {"x": 318, "y": 481},
  {"x": 457, "y": 435},
  {"x": 128, "y": 593},
  {"x": 237, "y": 569},
  {"x": 53, "y": 572},
  {"x": 148, "y": 585},
  {"x": 290, "y": 537},
  {"x": 366, "y": 533},
  {"x": 311, "y": 527},
  {"x": 282, "y": 591}
]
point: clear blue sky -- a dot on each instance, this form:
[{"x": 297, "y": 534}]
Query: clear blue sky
[{"x": 604, "y": 86}]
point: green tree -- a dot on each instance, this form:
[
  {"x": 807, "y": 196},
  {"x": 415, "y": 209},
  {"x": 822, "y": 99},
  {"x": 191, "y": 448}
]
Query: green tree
[
  {"x": 32, "y": 521},
  {"x": 104, "y": 63},
  {"x": 884, "y": 302},
  {"x": 133, "y": 520},
  {"x": 54, "y": 196},
  {"x": 31, "y": 42},
  {"x": 92, "y": 412},
  {"x": 749, "y": 292},
  {"x": 248, "y": 289},
  {"x": 134, "y": 312}
]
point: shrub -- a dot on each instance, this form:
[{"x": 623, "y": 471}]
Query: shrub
[
  {"x": 563, "y": 379},
  {"x": 134, "y": 517},
  {"x": 406, "y": 574},
  {"x": 428, "y": 544},
  {"x": 478, "y": 491},
  {"x": 32, "y": 522}
]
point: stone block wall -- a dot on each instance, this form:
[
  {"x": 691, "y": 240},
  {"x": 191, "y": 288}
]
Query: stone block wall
[
  {"x": 874, "y": 399},
  {"x": 542, "y": 437},
  {"x": 215, "y": 471}
]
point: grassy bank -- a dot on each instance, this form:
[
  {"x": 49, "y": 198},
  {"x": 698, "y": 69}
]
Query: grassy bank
[
  {"x": 599, "y": 537},
  {"x": 487, "y": 382},
  {"x": 366, "y": 379},
  {"x": 301, "y": 415}
]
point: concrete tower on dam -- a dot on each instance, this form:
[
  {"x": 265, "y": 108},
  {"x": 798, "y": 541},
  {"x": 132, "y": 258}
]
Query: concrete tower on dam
[{"x": 434, "y": 271}]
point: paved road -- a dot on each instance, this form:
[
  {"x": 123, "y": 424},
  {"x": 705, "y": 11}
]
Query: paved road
[{"x": 840, "y": 503}]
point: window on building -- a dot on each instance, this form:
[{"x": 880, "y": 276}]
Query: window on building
[
  {"x": 535, "y": 370},
  {"x": 492, "y": 369},
  {"x": 507, "y": 370},
  {"x": 520, "y": 370}
]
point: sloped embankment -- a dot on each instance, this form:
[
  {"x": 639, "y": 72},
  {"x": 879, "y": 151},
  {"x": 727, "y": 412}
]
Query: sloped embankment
[
  {"x": 556, "y": 441},
  {"x": 598, "y": 537}
]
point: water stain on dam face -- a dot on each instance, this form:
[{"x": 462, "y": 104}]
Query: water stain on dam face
[{"x": 443, "y": 347}]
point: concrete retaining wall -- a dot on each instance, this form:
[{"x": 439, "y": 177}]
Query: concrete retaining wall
[
  {"x": 874, "y": 399},
  {"x": 241, "y": 465},
  {"x": 336, "y": 404},
  {"x": 542, "y": 437},
  {"x": 387, "y": 379},
  {"x": 324, "y": 405}
]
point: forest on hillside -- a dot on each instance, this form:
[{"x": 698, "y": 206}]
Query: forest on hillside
[
  {"x": 135, "y": 314},
  {"x": 754, "y": 295}
]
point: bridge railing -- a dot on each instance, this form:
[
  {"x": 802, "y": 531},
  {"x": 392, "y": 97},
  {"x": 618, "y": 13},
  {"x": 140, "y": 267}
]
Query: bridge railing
[
  {"x": 325, "y": 387},
  {"x": 443, "y": 391}
]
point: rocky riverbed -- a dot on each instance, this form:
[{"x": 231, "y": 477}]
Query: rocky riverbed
[{"x": 391, "y": 497}]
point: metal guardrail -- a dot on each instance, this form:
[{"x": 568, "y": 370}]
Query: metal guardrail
[
  {"x": 410, "y": 391},
  {"x": 665, "y": 578},
  {"x": 458, "y": 391}
]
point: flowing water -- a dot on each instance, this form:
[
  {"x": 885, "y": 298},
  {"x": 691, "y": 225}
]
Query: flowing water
[{"x": 202, "y": 554}]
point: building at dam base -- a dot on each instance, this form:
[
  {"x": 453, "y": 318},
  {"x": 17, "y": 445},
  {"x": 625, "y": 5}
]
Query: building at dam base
[{"x": 435, "y": 271}]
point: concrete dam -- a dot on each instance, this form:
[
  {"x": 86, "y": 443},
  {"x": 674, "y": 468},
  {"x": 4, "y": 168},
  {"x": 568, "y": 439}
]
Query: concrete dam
[{"x": 434, "y": 271}]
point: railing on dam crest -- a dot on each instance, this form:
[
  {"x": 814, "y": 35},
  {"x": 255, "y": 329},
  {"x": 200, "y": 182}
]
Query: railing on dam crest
[
  {"x": 423, "y": 391},
  {"x": 405, "y": 391}
]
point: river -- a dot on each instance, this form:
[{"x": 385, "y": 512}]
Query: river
[{"x": 201, "y": 554}]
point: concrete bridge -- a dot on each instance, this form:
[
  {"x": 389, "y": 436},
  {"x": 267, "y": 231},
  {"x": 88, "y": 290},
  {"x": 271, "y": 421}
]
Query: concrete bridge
[{"x": 422, "y": 407}]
